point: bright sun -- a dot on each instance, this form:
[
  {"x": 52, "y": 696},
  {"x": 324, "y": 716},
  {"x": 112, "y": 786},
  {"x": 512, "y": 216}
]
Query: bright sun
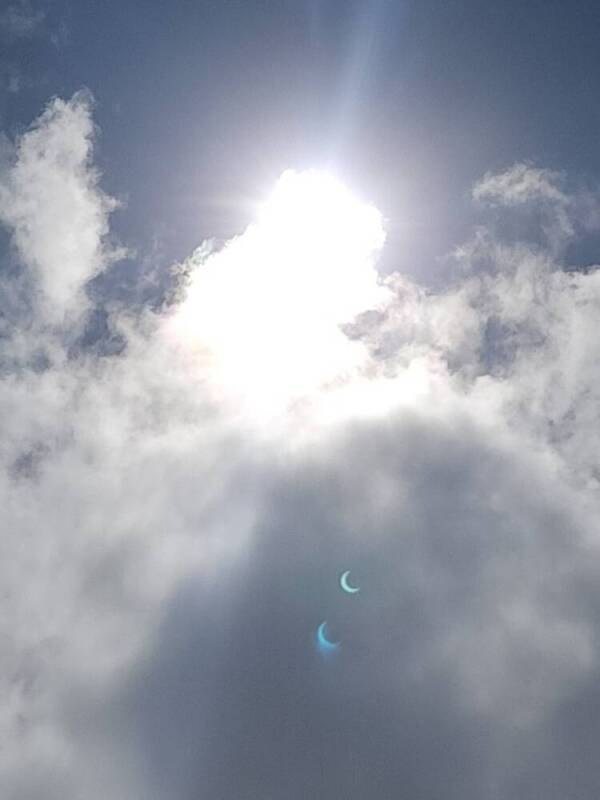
[{"x": 267, "y": 308}]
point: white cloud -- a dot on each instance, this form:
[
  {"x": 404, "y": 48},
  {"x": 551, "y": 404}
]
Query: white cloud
[
  {"x": 266, "y": 310},
  {"x": 539, "y": 199},
  {"x": 451, "y": 456},
  {"x": 519, "y": 184},
  {"x": 58, "y": 216}
]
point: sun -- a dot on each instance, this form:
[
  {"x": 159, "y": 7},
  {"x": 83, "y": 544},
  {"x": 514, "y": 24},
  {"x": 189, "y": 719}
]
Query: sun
[{"x": 267, "y": 309}]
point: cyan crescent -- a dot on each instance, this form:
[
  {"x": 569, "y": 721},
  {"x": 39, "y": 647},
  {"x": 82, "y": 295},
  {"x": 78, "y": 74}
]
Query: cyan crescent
[
  {"x": 323, "y": 641},
  {"x": 346, "y": 586}
]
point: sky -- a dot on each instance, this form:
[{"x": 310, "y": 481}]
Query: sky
[{"x": 290, "y": 290}]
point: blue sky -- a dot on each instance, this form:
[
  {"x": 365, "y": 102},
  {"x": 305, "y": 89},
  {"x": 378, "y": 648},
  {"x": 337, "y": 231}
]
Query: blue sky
[
  {"x": 202, "y": 105},
  {"x": 290, "y": 290}
]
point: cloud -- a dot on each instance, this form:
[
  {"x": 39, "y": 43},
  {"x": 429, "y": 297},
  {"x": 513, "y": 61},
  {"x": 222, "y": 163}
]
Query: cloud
[
  {"x": 537, "y": 195},
  {"x": 538, "y": 205},
  {"x": 21, "y": 20},
  {"x": 267, "y": 307},
  {"x": 173, "y": 533},
  {"x": 520, "y": 184},
  {"x": 51, "y": 202}
]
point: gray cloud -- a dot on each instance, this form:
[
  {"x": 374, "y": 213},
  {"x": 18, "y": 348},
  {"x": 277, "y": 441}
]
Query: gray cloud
[
  {"x": 165, "y": 561},
  {"x": 463, "y": 640}
]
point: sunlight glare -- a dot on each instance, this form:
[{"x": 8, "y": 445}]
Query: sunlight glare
[{"x": 268, "y": 307}]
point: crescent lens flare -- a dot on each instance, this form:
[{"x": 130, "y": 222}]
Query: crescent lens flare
[
  {"x": 325, "y": 644},
  {"x": 345, "y": 584}
]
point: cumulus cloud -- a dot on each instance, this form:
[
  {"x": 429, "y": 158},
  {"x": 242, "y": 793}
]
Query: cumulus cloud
[
  {"x": 266, "y": 309},
  {"x": 175, "y": 515},
  {"x": 58, "y": 216}
]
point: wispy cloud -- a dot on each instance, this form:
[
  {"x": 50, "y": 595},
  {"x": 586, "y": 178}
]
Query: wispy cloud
[{"x": 21, "y": 19}]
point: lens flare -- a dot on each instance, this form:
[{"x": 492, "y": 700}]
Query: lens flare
[{"x": 325, "y": 645}]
